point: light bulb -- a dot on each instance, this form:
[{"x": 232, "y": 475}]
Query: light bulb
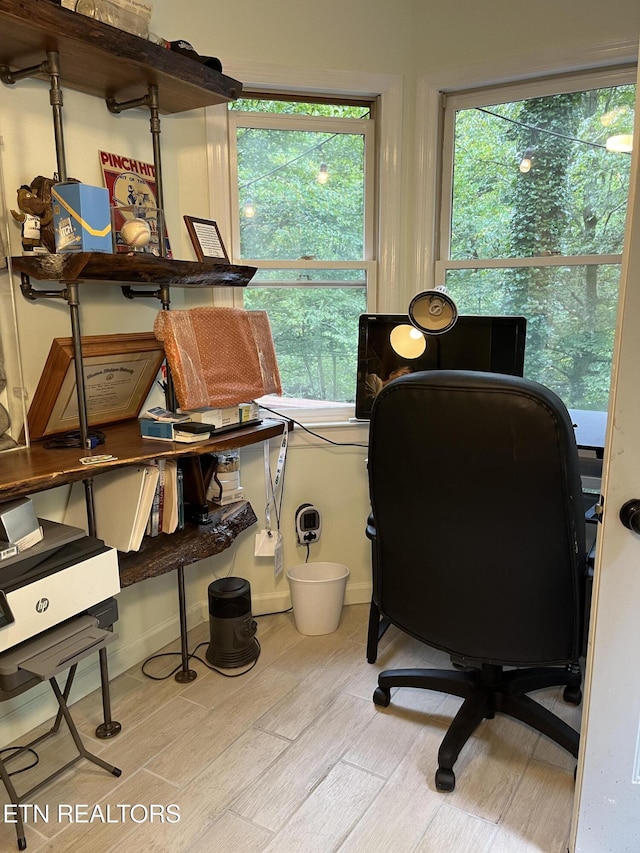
[
  {"x": 622, "y": 143},
  {"x": 526, "y": 162},
  {"x": 323, "y": 174},
  {"x": 249, "y": 210}
]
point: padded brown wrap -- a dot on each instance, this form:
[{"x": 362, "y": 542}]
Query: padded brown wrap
[{"x": 218, "y": 356}]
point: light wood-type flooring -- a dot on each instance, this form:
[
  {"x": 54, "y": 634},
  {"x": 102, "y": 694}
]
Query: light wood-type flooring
[{"x": 294, "y": 756}]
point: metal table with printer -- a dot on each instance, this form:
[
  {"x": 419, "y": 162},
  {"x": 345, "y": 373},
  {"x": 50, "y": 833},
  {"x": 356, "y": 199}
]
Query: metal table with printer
[{"x": 56, "y": 608}]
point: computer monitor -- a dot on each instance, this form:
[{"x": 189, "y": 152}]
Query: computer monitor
[{"x": 493, "y": 344}]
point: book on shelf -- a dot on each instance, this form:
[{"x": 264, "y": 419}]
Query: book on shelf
[
  {"x": 154, "y": 524},
  {"x": 180, "y": 497},
  {"x": 122, "y": 500},
  {"x": 169, "y": 516}
]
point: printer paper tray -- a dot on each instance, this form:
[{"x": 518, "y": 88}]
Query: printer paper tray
[{"x": 64, "y": 654}]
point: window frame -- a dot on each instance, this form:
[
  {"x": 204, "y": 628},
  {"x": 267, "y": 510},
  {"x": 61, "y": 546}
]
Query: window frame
[
  {"x": 279, "y": 121},
  {"x": 384, "y": 281},
  {"x": 455, "y": 101}
]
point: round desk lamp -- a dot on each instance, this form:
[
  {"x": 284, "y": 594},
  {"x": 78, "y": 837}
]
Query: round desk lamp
[{"x": 433, "y": 311}]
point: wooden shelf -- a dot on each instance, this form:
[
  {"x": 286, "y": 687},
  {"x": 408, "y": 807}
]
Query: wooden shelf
[
  {"x": 103, "y": 61},
  {"x": 164, "y": 553},
  {"x": 132, "y": 269},
  {"x": 34, "y": 469}
]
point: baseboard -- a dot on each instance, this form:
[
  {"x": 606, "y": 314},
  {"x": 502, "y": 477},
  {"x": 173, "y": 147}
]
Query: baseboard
[{"x": 358, "y": 593}]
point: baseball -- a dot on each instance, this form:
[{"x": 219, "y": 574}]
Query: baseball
[{"x": 136, "y": 232}]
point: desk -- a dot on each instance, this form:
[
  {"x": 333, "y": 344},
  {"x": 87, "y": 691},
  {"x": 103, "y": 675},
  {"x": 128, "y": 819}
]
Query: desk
[{"x": 590, "y": 429}]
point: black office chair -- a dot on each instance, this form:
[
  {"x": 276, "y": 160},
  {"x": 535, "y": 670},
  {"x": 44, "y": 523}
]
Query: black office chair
[{"x": 477, "y": 531}]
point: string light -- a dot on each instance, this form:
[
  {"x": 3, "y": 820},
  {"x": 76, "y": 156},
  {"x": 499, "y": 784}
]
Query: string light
[
  {"x": 548, "y": 132},
  {"x": 282, "y": 166},
  {"x": 249, "y": 210},
  {"x": 622, "y": 143},
  {"x": 526, "y": 162},
  {"x": 323, "y": 174}
]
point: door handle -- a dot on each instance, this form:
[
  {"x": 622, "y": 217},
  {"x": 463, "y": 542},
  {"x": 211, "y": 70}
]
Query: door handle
[{"x": 630, "y": 515}]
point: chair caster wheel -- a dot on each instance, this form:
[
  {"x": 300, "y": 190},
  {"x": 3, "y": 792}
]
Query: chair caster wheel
[
  {"x": 572, "y": 695},
  {"x": 382, "y": 697},
  {"x": 445, "y": 779}
]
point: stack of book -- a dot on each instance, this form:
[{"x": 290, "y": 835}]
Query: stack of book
[
  {"x": 130, "y": 502},
  {"x": 196, "y": 424},
  {"x": 164, "y": 425}
]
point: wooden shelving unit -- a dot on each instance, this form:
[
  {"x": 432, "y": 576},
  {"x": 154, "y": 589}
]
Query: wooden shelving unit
[
  {"x": 42, "y": 40},
  {"x": 104, "y": 61}
]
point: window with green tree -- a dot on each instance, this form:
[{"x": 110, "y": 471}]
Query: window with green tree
[
  {"x": 535, "y": 185},
  {"x": 303, "y": 215}
]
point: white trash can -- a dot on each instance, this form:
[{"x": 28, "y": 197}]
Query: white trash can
[{"x": 317, "y": 596}]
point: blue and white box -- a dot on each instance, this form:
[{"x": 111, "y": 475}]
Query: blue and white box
[{"x": 81, "y": 218}]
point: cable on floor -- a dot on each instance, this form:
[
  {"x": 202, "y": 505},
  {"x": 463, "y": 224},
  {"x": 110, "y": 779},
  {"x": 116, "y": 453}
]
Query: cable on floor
[{"x": 193, "y": 656}]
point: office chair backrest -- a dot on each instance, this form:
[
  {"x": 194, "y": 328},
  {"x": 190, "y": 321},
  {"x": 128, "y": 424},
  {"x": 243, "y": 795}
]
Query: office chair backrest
[{"x": 477, "y": 505}]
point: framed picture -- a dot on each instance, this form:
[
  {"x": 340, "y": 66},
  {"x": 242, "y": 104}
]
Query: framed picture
[
  {"x": 206, "y": 239},
  {"x": 119, "y": 371}
]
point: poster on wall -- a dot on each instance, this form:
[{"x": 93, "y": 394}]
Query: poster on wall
[{"x": 133, "y": 196}]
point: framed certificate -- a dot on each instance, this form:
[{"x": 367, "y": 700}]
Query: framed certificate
[
  {"x": 119, "y": 371},
  {"x": 206, "y": 239}
]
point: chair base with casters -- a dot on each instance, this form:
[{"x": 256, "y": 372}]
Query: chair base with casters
[{"x": 487, "y": 691}]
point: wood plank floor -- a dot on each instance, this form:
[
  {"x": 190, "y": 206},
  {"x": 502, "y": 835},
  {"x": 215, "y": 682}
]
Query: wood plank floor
[{"x": 294, "y": 756}]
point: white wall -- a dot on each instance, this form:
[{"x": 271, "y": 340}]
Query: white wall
[{"x": 409, "y": 38}]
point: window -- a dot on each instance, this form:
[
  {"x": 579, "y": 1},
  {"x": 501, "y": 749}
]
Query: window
[
  {"x": 534, "y": 190},
  {"x": 303, "y": 215}
]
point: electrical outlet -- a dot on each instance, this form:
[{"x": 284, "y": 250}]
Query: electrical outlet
[{"x": 308, "y": 524}]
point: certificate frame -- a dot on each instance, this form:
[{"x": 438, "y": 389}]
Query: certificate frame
[
  {"x": 119, "y": 371},
  {"x": 207, "y": 240}
]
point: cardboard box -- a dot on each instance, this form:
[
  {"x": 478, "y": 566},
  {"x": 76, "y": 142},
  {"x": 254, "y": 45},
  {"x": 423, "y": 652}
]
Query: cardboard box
[
  {"x": 248, "y": 412},
  {"x": 225, "y": 417},
  {"x": 81, "y": 218},
  {"x": 216, "y": 417}
]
